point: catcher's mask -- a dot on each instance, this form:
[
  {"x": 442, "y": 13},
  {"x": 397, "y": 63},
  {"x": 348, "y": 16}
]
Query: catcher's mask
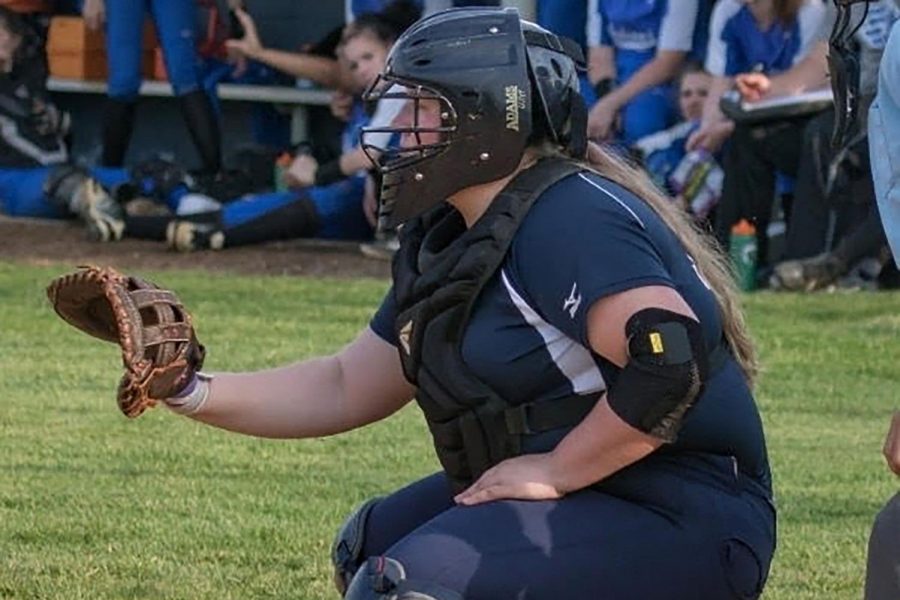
[
  {"x": 493, "y": 84},
  {"x": 844, "y": 69}
]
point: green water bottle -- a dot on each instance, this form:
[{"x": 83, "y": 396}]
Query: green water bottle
[
  {"x": 742, "y": 250},
  {"x": 282, "y": 164}
]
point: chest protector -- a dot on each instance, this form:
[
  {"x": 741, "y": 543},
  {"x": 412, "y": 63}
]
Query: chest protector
[{"x": 439, "y": 272}]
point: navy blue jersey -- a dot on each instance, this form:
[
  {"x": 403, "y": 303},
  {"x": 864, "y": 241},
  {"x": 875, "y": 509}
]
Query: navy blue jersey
[
  {"x": 586, "y": 238},
  {"x": 738, "y": 45}
]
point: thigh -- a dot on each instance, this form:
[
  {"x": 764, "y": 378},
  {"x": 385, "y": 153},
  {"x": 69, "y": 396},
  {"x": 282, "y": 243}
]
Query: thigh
[
  {"x": 124, "y": 38},
  {"x": 176, "y": 27},
  {"x": 339, "y": 206},
  {"x": 399, "y": 514},
  {"x": 22, "y": 194},
  {"x": 586, "y": 545}
]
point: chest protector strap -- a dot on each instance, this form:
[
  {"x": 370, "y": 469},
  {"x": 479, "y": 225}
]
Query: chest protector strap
[{"x": 439, "y": 272}]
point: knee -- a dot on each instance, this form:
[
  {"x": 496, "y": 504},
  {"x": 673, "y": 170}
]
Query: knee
[
  {"x": 384, "y": 578},
  {"x": 347, "y": 549}
]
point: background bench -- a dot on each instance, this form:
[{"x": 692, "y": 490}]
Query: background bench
[{"x": 297, "y": 99}]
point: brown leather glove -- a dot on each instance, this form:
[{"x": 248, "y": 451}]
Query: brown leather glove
[{"x": 160, "y": 351}]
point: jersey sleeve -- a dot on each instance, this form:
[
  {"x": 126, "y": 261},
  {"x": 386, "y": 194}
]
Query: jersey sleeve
[
  {"x": 717, "y": 50},
  {"x": 382, "y": 322},
  {"x": 587, "y": 240},
  {"x": 596, "y": 33},
  {"x": 676, "y": 31}
]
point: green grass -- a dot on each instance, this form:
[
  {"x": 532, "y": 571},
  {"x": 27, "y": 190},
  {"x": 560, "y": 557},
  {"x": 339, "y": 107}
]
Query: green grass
[{"x": 96, "y": 506}]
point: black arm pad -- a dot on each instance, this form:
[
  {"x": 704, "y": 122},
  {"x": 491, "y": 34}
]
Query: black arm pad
[{"x": 667, "y": 367}]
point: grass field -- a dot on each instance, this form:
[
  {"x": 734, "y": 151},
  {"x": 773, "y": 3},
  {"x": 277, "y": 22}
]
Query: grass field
[{"x": 96, "y": 506}]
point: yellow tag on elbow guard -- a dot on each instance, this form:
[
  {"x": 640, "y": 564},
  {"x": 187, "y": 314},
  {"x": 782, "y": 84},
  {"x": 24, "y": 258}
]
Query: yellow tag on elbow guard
[{"x": 656, "y": 343}]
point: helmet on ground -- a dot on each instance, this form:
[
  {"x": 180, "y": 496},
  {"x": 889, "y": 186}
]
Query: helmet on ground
[{"x": 501, "y": 84}]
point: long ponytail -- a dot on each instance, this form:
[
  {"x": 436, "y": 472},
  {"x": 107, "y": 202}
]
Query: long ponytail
[{"x": 713, "y": 266}]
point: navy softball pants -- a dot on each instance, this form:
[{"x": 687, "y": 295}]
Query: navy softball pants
[{"x": 674, "y": 536}]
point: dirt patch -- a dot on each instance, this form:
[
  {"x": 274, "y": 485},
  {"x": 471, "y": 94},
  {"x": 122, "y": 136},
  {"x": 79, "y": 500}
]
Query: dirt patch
[{"x": 40, "y": 242}]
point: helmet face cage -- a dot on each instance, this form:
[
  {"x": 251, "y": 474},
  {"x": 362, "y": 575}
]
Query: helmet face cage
[
  {"x": 400, "y": 156},
  {"x": 495, "y": 92}
]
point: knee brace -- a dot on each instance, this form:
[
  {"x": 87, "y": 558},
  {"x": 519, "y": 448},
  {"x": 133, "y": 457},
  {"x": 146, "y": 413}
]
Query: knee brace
[
  {"x": 667, "y": 366},
  {"x": 346, "y": 551},
  {"x": 384, "y": 578}
]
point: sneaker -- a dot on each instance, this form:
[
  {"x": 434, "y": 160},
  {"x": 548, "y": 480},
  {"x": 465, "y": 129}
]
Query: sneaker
[
  {"x": 187, "y": 236},
  {"x": 807, "y": 274},
  {"x": 381, "y": 249},
  {"x": 102, "y": 215}
]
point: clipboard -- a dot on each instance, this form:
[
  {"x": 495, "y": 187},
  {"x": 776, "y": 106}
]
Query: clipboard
[{"x": 774, "y": 109}]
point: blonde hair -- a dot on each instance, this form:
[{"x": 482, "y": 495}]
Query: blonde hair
[{"x": 711, "y": 263}]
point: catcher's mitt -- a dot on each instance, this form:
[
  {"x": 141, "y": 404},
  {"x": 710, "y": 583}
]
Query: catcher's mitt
[{"x": 160, "y": 351}]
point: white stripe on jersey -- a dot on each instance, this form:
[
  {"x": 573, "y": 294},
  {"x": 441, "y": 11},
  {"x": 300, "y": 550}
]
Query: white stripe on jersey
[
  {"x": 716, "y": 50},
  {"x": 594, "y": 24},
  {"x": 676, "y": 32},
  {"x": 572, "y": 359},
  {"x": 622, "y": 204}
]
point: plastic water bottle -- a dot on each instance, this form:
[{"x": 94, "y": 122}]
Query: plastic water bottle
[
  {"x": 281, "y": 166},
  {"x": 742, "y": 250}
]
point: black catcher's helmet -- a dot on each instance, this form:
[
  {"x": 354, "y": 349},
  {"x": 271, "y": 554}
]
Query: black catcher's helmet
[{"x": 501, "y": 83}]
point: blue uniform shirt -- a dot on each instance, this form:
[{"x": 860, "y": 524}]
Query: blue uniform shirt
[
  {"x": 642, "y": 26},
  {"x": 738, "y": 45},
  {"x": 586, "y": 238}
]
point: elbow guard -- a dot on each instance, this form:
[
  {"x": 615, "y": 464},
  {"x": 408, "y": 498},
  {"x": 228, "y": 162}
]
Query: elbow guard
[{"x": 667, "y": 366}]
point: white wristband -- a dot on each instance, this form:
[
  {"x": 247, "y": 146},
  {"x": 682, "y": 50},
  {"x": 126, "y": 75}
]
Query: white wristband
[{"x": 194, "y": 400}]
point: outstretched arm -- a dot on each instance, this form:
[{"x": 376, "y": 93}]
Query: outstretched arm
[
  {"x": 320, "y": 69},
  {"x": 360, "y": 384}
]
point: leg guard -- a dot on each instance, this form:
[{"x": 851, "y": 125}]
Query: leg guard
[
  {"x": 75, "y": 191},
  {"x": 346, "y": 550},
  {"x": 384, "y": 578}
]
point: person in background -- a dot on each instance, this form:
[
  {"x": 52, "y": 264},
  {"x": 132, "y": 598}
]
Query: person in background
[
  {"x": 35, "y": 16},
  {"x": 319, "y": 63},
  {"x": 832, "y": 224},
  {"x": 759, "y": 38},
  {"x": 636, "y": 49},
  {"x": 37, "y": 178},
  {"x": 175, "y": 22},
  {"x": 325, "y": 200},
  {"x": 693, "y": 180}
]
